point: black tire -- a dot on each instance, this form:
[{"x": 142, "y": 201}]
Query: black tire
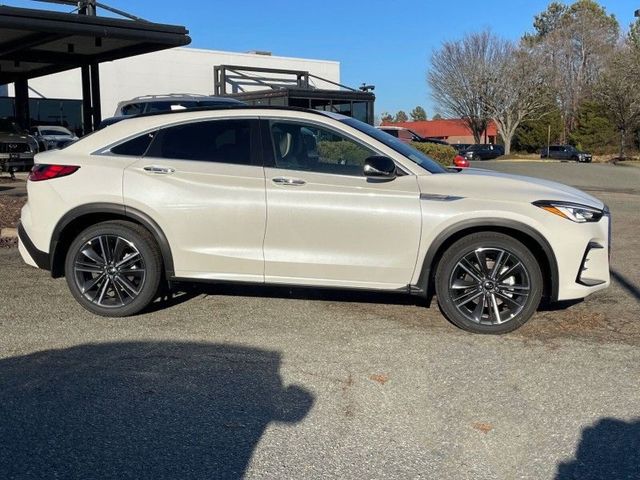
[
  {"x": 455, "y": 284},
  {"x": 130, "y": 277}
]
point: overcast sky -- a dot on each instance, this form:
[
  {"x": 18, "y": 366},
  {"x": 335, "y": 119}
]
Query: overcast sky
[{"x": 385, "y": 43}]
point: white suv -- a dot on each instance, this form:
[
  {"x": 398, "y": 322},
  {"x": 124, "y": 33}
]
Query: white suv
[{"x": 308, "y": 198}]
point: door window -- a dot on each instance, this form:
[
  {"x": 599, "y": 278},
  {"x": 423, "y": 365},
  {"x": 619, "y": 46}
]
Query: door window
[
  {"x": 299, "y": 146},
  {"x": 222, "y": 141}
]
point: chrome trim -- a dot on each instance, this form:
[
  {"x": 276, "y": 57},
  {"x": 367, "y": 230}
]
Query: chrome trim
[{"x": 439, "y": 197}]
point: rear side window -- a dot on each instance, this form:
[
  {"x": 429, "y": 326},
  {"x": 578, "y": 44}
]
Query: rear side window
[
  {"x": 136, "y": 147},
  {"x": 222, "y": 141}
]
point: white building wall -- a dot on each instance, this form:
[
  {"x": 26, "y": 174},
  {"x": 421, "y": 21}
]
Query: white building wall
[{"x": 178, "y": 70}]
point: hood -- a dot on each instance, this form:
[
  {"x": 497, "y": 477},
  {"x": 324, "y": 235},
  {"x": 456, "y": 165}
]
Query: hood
[
  {"x": 489, "y": 185},
  {"x": 13, "y": 137}
]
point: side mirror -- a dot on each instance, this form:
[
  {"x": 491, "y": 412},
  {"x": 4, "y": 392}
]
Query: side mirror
[{"x": 380, "y": 167}]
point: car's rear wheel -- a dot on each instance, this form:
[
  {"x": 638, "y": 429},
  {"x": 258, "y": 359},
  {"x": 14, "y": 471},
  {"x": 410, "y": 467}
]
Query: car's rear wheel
[
  {"x": 488, "y": 282},
  {"x": 114, "y": 268}
]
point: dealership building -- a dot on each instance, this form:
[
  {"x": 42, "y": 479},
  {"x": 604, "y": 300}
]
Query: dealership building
[{"x": 73, "y": 70}]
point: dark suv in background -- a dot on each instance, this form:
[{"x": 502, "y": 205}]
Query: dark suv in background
[
  {"x": 482, "y": 151},
  {"x": 565, "y": 152}
]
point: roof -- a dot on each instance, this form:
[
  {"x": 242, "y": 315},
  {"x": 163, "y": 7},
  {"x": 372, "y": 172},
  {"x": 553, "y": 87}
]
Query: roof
[
  {"x": 441, "y": 128},
  {"x": 34, "y": 43}
]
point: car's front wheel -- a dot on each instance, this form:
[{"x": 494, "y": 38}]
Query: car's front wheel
[
  {"x": 488, "y": 282},
  {"x": 114, "y": 268}
]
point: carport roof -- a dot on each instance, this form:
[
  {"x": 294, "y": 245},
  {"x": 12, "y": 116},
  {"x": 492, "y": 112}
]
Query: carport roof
[{"x": 34, "y": 43}]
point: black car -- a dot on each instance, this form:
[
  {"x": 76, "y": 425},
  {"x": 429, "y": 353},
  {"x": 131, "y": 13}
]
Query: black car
[
  {"x": 483, "y": 151},
  {"x": 565, "y": 152}
]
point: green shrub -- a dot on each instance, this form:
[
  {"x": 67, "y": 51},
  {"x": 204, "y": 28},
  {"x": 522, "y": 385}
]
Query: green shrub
[{"x": 443, "y": 154}]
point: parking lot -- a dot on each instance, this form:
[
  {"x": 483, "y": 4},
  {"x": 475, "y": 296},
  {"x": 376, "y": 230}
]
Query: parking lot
[{"x": 265, "y": 382}]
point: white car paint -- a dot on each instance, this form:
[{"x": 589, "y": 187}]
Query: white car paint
[{"x": 233, "y": 223}]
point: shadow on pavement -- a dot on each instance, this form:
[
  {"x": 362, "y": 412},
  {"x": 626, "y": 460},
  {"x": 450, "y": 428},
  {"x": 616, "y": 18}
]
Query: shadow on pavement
[
  {"x": 626, "y": 284},
  {"x": 300, "y": 293},
  {"x": 609, "y": 449},
  {"x": 140, "y": 410}
]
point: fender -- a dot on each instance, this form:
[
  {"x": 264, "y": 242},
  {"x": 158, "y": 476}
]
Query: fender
[
  {"x": 120, "y": 211},
  {"x": 477, "y": 224}
]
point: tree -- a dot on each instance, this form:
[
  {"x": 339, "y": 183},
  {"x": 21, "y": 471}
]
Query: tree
[
  {"x": 534, "y": 133},
  {"x": 518, "y": 88},
  {"x": 593, "y": 131},
  {"x": 633, "y": 38},
  {"x": 418, "y": 114},
  {"x": 577, "y": 41},
  {"x": 619, "y": 91},
  {"x": 457, "y": 80},
  {"x": 401, "y": 117},
  {"x": 437, "y": 116},
  {"x": 386, "y": 117}
]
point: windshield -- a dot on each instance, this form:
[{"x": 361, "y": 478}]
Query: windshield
[
  {"x": 399, "y": 146},
  {"x": 55, "y": 132}
]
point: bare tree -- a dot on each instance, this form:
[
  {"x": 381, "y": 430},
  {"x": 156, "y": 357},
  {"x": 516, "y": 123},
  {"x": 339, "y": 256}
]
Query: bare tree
[
  {"x": 619, "y": 91},
  {"x": 518, "y": 88},
  {"x": 457, "y": 78}
]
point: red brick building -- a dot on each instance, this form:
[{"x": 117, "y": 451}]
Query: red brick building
[{"x": 453, "y": 131}]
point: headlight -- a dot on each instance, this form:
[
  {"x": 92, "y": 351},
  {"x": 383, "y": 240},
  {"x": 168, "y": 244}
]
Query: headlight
[{"x": 571, "y": 211}]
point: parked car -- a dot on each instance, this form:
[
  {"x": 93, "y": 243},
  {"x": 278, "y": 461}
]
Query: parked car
[
  {"x": 483, "y": 151},
  {"x": 170, "y": 102},
  {"x": 406, "y": 135},
  {"x": 17, "y": 147},
  {"x": 301, "y": 197},
  {"x": 52, "y": 136},
  {"x": 565, "y": 152},
  {"x": 460, "y": 147}
]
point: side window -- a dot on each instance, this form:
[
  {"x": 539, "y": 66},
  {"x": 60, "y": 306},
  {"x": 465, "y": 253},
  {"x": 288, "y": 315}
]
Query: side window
[
  {"x": 405, "y": 135},
  {"x": 221, "y": 141},
  {"x": 136, "y": 147},
  {"x": 299, "y": 146},
  {"x": 132, "y": 109}
]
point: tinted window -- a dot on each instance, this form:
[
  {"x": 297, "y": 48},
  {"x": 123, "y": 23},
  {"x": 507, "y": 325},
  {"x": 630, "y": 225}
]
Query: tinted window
[
  {"x": 134, "y": 147},
  {"x": 554, "y": 149},
  {"x": 299, "y": 146},
  {"x": 132, "y": 109},
  {"x": 224, "y": 141}
]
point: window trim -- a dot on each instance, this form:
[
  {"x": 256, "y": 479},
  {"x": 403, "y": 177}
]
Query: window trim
[{"x": 268, "y": 148}]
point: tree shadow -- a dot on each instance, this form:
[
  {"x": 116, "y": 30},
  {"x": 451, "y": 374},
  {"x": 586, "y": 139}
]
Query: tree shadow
[
  {"x": 627, "y": 284},
  {"x": 140, "y": 410},
  {"x": 609, "y": 449}
]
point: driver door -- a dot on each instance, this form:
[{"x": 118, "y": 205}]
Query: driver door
[{"x": 328, "y": 224}]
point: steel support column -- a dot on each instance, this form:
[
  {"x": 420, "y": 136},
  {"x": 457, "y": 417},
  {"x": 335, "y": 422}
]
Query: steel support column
[
  {"x": 95, "y": 95},
  {"x": 87, "y": 110},
  {"x": 22, "y": 103}
]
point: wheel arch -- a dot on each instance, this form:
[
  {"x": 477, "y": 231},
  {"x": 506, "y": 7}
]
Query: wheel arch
[
  {"x": 529, "y": 236},
  {"x": 79, "y": 218}
]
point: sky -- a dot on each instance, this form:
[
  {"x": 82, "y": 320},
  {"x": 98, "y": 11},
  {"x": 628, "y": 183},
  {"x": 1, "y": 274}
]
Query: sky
[{"x": 384, "y": 43}]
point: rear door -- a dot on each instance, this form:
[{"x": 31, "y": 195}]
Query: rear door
[
  {"x": 328, "y": 224},
  {"x": 203, "y": 183}
]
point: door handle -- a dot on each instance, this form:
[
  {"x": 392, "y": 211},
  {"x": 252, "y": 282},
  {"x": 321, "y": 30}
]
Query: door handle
[
  {"x": 288, "y": 182},
  {"x": 158, "y": 170}
]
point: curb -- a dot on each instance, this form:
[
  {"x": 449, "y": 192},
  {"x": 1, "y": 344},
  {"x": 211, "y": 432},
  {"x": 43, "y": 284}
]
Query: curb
[{"x": 8, "y": 237}]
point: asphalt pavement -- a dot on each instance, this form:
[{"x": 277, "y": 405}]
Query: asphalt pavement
[{"x": 251, "y": 382}]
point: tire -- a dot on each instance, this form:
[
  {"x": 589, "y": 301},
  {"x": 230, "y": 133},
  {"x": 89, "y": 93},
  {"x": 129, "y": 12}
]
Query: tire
[
  {"x": 119, "y": 273},
  {"x": 464, "y": 290}
]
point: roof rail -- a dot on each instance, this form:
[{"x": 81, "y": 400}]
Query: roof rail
[
  {"x": 169, "y": 95},
  {"x": 229, "y": 107}
]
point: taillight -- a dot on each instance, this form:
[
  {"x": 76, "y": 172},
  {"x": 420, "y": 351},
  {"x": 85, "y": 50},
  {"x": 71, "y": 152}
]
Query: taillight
[{"x": 47, "y": 172}]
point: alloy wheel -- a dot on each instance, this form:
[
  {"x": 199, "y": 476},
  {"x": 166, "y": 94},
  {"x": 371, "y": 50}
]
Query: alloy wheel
[
  {"x": 109, "y": 271},
  {"x": 489, "y": 286}
]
